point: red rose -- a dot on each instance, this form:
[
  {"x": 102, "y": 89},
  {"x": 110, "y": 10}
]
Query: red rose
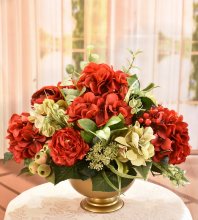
[
  {"x": 99, "y": 109},
  {"x": 101, "y": 79},
  {"x": 50, "y": 92},
  {"x": 67, "y": 146},
  {"x": 25, "y": 140},
  {"x": 172, "y": 138}
]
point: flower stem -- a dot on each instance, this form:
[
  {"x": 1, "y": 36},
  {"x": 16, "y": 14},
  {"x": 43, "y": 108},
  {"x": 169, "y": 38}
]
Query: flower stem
[{"x": 123, "y": 175}]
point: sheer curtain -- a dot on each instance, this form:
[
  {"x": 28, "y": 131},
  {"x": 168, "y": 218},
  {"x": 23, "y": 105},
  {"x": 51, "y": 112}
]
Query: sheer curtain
[
  {"x": 37, "y": 41},
  {"x": 32, "y": 53}
]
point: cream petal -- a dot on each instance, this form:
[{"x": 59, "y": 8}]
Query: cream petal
[
  {"x": 121, "y": 140},
  {"x": 146, "y": 154},
  {"x": 139, "y": 161},
  {"x": 135, "y": 139},
  {"x": 151, "y": 150},
  {"x": 131, "y": 155}
]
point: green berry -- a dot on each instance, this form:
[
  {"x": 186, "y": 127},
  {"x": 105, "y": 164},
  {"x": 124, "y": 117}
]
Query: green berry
[
  {"x": 44, "y": 170},
  {"x": 41, "y": 157},
  {"x": 70, "y": 68},
  {"x": 33, "y": 166}
]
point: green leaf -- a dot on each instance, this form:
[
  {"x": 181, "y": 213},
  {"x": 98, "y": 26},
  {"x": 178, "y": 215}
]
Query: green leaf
[
  {"x": 73, "y": 92},
  {"x": 87, "y": 136},
  {"x": 144, "y": 170},
  {"x": 99, "y": 183},
  {"x": 76, "y": 171},
  {"x": 147, "y": 103},
  {"x": 27, "y": 161},
  {"x": 122, "y": 167},
  {"x": 149, "y": 87},
  {"x": 87, "y": 124},
  {"x": 109, "y": 182},
  {"x": 64, "y": 173},
  {"x": 113, "y": 121},
  {"x": 24, "y": 170},
  {"x": 123, "y": 175},
  {"x": 7, "y": 156},
  {"x": 69, "y": 94},
  {"x": 132, "y": 79},
  {"x": 118, "y": 132},
  {"x": 134, "y": 87},
  {"x": 86, "y": 172},
  {"x": 104, "y": 133}
]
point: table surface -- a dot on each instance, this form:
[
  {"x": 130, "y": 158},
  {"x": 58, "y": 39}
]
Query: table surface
[{"x": 143, "y": 201}]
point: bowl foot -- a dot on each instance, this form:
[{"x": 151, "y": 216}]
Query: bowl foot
[{"x": 102, "y": 205}]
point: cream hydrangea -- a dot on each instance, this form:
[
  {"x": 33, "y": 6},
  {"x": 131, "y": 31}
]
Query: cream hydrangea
[
  {"x": 136, "y": 145},
  {"x": 49, "y": 116}
]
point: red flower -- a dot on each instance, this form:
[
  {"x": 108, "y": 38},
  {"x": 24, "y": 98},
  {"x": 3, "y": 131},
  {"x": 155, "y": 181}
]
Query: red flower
[
  {"x": 172, "y": 138},
  {"x": 50, "y": 92},
  {"x": 25, "y": 140},
  {"x": 99, "y": 109},
  {"x": 101, "y": 79},
  {"x": 110, "y": 105},
  {"x": 83, "y": 107},
  {"x": 67, "y": 146}
]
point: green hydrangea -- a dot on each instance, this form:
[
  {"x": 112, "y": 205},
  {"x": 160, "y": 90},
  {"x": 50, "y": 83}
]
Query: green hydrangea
[
  {"x": 49, "y": 116},
  {"x": 136, "y": 105},
  {"x": 136, "y": 145},
  {"x": 101, "y": 155}
]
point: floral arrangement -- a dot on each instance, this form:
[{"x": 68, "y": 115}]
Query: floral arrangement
[{"x": 99, "y": 124}]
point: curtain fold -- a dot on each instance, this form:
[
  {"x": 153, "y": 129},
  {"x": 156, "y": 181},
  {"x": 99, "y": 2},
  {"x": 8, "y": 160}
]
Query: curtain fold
[{"x": 35, "y": 46}]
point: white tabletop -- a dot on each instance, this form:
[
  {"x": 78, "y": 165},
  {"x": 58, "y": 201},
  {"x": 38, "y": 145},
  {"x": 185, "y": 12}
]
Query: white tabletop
[{"x": 143, "y": 201}]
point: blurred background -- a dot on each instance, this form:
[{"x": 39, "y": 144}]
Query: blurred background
[{"x": 38, "y": 38}]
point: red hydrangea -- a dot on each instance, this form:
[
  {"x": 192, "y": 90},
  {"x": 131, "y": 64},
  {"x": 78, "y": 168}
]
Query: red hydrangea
[
  {"x": 25, "y": 140},
  {"x": 101, "y": 79},
  {"x": 50, "y": 92},
  {"x": 172, "y": 138},
  {"x": 98, "y": 108},
  {"x": 67, "y": 147}
]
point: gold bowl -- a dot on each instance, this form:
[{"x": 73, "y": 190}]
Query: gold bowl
[{"x": 97, "y": 201}]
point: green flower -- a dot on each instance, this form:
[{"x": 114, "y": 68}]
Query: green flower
[
  {"x": 136, "y": 145},
  {"x": 136, "y": 105},
  {"x": 101, "y": 155},
  {"x": 49, "y": 116}
]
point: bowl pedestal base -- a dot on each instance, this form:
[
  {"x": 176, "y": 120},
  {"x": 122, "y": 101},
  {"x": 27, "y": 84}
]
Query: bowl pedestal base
[{"x": 100, "y": 205}]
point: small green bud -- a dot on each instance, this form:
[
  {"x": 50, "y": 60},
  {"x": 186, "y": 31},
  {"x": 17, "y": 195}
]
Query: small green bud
[
  {"x": 70, "y": 68},
  {"x": 33, "y": 166},
  {"x": 41, "y": 157},
  {"x": 44, "y": 170},
  {"x": 93, "y": 57}
]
